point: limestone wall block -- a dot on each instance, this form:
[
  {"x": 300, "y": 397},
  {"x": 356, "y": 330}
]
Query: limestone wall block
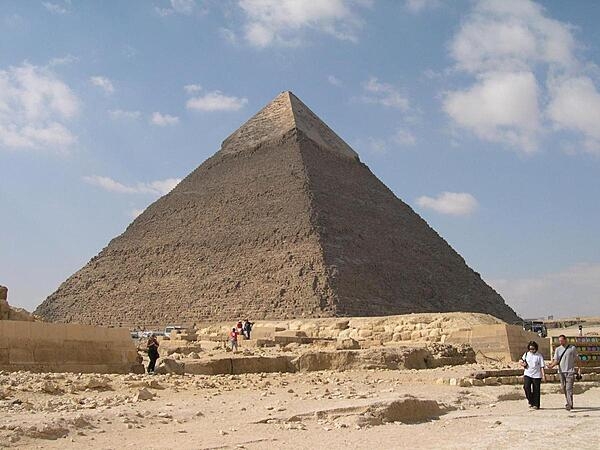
[
  {"x": 435, "y": 333},
  {"x": 365, "y": 333},
  {"x": 354, "y": 334},
  {"x": 386, "y": 337},
  {"x": 345, "y": 333},
  {"x": 415, "y": 335},
  {"x": 405, "y": 335}
]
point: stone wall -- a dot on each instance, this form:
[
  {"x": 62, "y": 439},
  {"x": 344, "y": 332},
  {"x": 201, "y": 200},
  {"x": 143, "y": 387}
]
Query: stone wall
[
  {"x": 48, "y": 347},
  {"x": 501, "y": 342},
  {"x": 406, "y": 328}
]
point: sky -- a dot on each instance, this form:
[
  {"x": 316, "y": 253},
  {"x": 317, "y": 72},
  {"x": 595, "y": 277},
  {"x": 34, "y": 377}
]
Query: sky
[{"x": 482, "y": 115}]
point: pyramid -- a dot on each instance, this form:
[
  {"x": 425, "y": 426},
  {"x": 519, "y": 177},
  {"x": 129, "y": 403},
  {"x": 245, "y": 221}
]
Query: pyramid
[{"x": 283, "y": 222}]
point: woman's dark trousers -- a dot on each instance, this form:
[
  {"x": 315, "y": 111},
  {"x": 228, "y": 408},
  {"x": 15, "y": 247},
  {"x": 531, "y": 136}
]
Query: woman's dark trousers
[
  {"x": 153, "y": 357},
  {"x": 532, "y": 390}
]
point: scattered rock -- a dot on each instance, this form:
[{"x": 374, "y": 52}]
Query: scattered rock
[{"x": 144, "y": 394}]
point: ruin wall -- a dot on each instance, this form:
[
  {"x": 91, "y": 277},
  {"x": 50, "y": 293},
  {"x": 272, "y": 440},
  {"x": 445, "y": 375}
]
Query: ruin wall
[{"x": 49, "y": 347}]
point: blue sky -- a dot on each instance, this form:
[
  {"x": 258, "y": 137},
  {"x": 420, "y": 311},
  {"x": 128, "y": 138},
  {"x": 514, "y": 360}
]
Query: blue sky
[{"x": 484, "y": 116}]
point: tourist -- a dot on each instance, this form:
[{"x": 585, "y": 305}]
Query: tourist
[
  {"x": 247, "y": 328},
  {"x": 152, "y": 346},
  {"x": 533, "y": 363},
  {"x": 233, "y": 340},
  {"x": 567, "y": 359},
  {"x": 239, "y": 327}
]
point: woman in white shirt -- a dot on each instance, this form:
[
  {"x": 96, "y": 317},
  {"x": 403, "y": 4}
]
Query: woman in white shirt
[{"x": 533, "y": 363}]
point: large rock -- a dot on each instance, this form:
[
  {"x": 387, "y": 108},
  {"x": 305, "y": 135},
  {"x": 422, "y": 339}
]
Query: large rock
[
  {"x": 168, "y": 365},
  {"x": 347, "y": 344},
  {"x": 385, "y": 358},
  {"x": 246, "y": 364}
]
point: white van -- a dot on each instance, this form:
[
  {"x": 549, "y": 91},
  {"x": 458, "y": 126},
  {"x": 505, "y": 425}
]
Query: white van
[{"x": 170, "y": 328}]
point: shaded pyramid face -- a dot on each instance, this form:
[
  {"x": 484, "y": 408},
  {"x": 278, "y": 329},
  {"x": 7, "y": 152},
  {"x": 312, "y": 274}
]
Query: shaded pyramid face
[{"x": 283, "y": 222}]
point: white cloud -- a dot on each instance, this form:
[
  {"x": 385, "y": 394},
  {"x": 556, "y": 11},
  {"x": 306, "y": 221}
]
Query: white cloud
[
  {"x": 333, "y": 80},
  {"x": 417, "y": 6},
  {"x": 229, "y": 35},
  {"x": 192, "y": 88},
  {"x": 68, "y": 59},
  {"x": 270, "y": 22},
  {"x": 103, "y": 83},
  {"x": 384, "y": 94},
  {"x": 34, "y": 107},
  {"x": 159, "y": 187},
  {"x": 404, "y": 137},
  {"x": 450, "y": 203},
  {"x": 163, "y": 120},
  {"x": 216, "y": 101},
  {"x": 500, "y": 107},
  {"x": 164, "y": 12},
  {"x": 503, "y": 44},
  {"x": 55, "y": 8},
  {"x": 575, "y": 106},
  {"x": 574, "y": 291},
  {"x": 120, "y": 114},
  {"x": 377, "y": 146},
  {"x": 381, "y": 146},
  {"x": 185, "y": 7},
  {"x": 511, "y": 35}
]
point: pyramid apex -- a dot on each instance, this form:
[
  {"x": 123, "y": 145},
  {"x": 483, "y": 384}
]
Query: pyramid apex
[{"x": 284, "y": 113}]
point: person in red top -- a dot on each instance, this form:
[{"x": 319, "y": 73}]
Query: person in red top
[{"x": 233, "y": 340}]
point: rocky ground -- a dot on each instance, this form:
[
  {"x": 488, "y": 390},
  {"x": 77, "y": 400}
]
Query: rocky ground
[{"x": 325, "y": 409}]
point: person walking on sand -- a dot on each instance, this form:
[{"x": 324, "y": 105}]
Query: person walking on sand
[
  {"x": 533, "y": 363},
  {"x": 233, "y": 340},
  {"x": 152, "y": 346},
  {"x": 567, "y": 360}
]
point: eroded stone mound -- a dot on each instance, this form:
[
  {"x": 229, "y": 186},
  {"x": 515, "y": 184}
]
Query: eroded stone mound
[
  {"x": 406, "y": 409},
  {"x": 7, "y": 312}
]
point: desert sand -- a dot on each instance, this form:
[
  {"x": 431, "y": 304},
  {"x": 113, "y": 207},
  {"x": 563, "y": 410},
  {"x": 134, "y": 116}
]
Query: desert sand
[{"x": 349, "y": 409}]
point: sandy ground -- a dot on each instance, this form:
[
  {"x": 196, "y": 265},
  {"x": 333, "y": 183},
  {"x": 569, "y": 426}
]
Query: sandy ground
[
  {"x": 293, "y": 411},
  {"x": 588, "y": 330}
]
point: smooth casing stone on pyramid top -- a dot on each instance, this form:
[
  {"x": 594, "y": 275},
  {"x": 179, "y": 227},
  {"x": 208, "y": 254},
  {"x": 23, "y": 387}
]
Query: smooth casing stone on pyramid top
[{"x": 283, "y": 222}]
